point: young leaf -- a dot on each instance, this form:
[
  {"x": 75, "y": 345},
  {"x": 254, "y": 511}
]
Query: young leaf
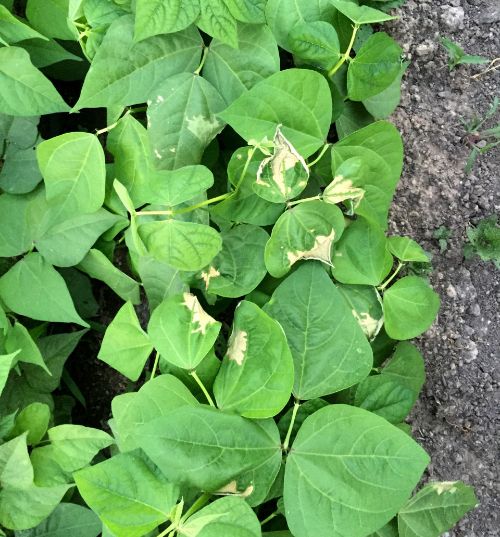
[
  {"x": 33, "y": 420},
  {"x": 361, "y": 14},
  {"x": 153, "y": 17},
  {"x": 124, "y": 72},
  {"x": 435, "y": 509},
  {"x": 410, "y": 307},
  {"x": 283, "y": 175},
  {"x": 128, "y": 497},
  {"x": 307, "y": 305},
  {"x": 376, "y": 65},
  {"x": 297, "y": 99},
  {"x": 315, "y": 42},
  {"x": 458, "y": 56},
  {"x": 48, "y": 299},
  {"x": 25, "y": 90},
  {"x": 98, "y": 266},
  {"x": 156, "y": 398},
  {"x": 233, "y": 512},
  {"x": 307, "y": 231},
  {"x": 233, "y": 71},
  {"x": 125, "y": 346},
  {"x": 366, "y": 306},
  {"x": 239, "y": 267},
  {"x": 204, "y": 447},
  {"x": 342, "y": 445},
  {"x": 15, "y": 464},
  {"x": 256, "y": 376},
  {"x": 183, "y": 245},
  {"x": 72, "y": 166},
  {"x": 283, "y": 15},
  {"x": 68, "y": 519},
  {"x": 406, "y": 249},
  {"x": 181, "y": 331},
  {"x": 182, "y": 120},
  {"x": 361, "y": 255}
]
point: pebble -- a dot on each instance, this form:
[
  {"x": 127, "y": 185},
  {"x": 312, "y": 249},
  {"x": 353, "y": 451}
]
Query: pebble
[
  {"x": 451, "y": 291},
  {"x": 453, "y": 17},
  {"x": 425, "y": 49}
]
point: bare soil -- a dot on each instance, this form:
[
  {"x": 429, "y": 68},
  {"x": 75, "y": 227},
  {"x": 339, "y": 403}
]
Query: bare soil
[{"x": 457, "y": 416}]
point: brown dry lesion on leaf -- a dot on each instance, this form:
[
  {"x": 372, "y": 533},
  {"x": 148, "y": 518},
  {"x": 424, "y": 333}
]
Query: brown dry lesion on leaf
[
  {"x": 237, "y": 346},
  {"x": 321, "y": 250},
  {"x": 208, "y": 274},
  {"x": 231, "y": 489},
  {"x": 199, "y": 316}
]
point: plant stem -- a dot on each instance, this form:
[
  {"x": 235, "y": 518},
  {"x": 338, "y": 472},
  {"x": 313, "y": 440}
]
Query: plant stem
[
  {"x": 251, "y": 153},
  {"x": 286, "y": 443},
  {"x": 320, "y": 156},
  {"x": 202, "y": 204},
  {"x": 346, "y": 54},
  {"x": 203, "y": 389},
  {"x": 197, "y": 505},
  {"x": 167, "y": 531},
  {"x": 303, "y": 200},
  {"x": 155, "y": 365},
  {"x": 154, "y": 213},
  {"x": 203, "y": 60},
  {"x": 269, "y": 518},
  {"x": 394, "y": 274}
]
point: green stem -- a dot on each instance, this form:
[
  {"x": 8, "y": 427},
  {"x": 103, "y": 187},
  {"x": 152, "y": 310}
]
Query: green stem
[
  {"x": 303, "y": 200},
  {"x": 346, "y": 54},
  {"x": 167, "y": 531},
  {"x": 203, "y": 60},
  {"x": 394, "y": 274},
  {"x": 202, "y": 204},
  {"x": 286, "y": 443},
  {"x": 138, "y": 109},
  {"x": 155, "y": 365},
  {"x": 197, "y": 505},
  {"x": 320, "y": 156},
  {"x": 269, "y": 518},
  {"x": 251, "y": 153},
  {"x": 112, "y": 126},
  {"x": 203, "y": 389}
]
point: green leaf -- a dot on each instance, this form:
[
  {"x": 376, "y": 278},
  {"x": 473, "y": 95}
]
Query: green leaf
[
  {"x": 7, "y": 361},
  {"x": 389, "y": 530},
  {"x": 182, "y": 120},
  {"x": 128, "y": 497},
  {"x": 216, "y": 20},
  {"x": 406, "y": 367},
  {"x": 297, "y": 99},
  {"x": 49, "y": 298},
  {"x": 376, "y": 65},
  {"x": 283, "y": 15},
  {"x": 15, "y": 232},
  {"x": 126, "y": 347},
  {"x": 457, "y": 55},
  {"x": 345, "y": 483},
  {"x": 239, "y": 267},
  {"x": 315, "y": 42},
  {"x": 234, "y": 513},
  {"x": 13, "y": 29},
  {"x": 25, "y": 90},
  {"x": 307, "y": 305},
  {"x": 233, "y": 71},
  {"x": 18, "y": 337},
  {"x": 175, "y": 187},
  {"x": 20, "y": 173},
  {"x": 67, "y": 519},
  {"x": 385, "y": 397},
  {"x": 307, "y": 231},
  {"x": 183, "y": 245},
  {"x": 51, "y": 18},
  {"x": 380, "y": 147},
  {"x": 15, "y": 464},
  {"x": 98, "y": 266},
  {"x": 410, "y": 307},
  {"x": 352, "y": 117},
  {"x": 435, "y": 509},
  {"x": 361, "y": 14},
  {"x": 361, "y": 255},
  {"x": 34, "y": 420},
  {"x": 45, "y": 53},
  {"x": 129, "y": 144},
  {"x": 250, "y": 11},
  {"x": 156, "y": 398},
  {"x": 181, "y": 331},
  {"x": 73, "y": 169},
  {"x": 383, "y": 104},
  {"x": 284, "y": 174},
  {"x": 219, "y": 528},
  {"x": 366, "y": 306},
  {"x": 406, "y": 249},
  {"x": 204, "y": 447},
  {"x": 124, "y": 72},
  {"x": 256, "y": 376},
  {"x": 153, "y": 17},
  {"x": 24, "y": 508}
]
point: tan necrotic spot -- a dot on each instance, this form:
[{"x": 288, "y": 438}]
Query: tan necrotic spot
[
  {"x": 199, "y": 316},
  {"x": 320, "y": 251},
  {"x": 237, "y": 346}
]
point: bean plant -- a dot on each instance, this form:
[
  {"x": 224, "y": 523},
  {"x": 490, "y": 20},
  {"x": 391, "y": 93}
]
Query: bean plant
[{"x": 225, "y": 168}]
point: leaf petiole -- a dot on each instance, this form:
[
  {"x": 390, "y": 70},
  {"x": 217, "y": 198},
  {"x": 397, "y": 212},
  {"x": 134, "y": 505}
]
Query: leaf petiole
[
  {"x": 203, "y": 60},
  {"x": 324, "y": 149},
  {"x": 303, "y": 200},
  {"x": 286, "y": 443},
  {"x": 269, "y": 518},
  {"x": 170, "y": 212},
  {"x": 202, "y": 387},
  {"x": 197, "y": 505},
  {"x": 391, "y": 278},
  {"x": 155, "y": 365},
  {"x": 346, "y": 54}
]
